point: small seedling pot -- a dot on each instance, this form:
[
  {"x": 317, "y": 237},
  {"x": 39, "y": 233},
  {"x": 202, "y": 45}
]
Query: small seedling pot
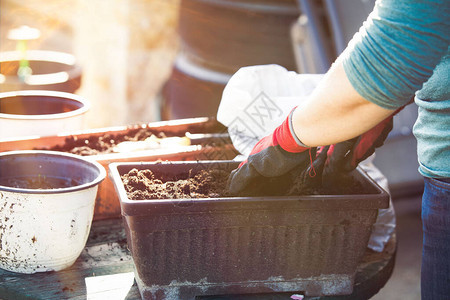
[
  {"x": 51, "y": 70},
  {"x": 41, "y": 113},
  {"x": 46, "y": 208},
  {"x": 183, "y": 248}
]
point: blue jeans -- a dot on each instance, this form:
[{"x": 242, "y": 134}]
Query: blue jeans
[{"x": 435, "y": 275}]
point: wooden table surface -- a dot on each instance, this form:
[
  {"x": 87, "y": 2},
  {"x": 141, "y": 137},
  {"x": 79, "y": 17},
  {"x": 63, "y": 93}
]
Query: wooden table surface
[{"x": 104, "y": 271}]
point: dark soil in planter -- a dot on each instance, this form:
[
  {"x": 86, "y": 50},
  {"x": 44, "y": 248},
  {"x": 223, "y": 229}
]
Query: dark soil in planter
[
  {"x": 146, "y": 185},
  {"x": 38, "y": 182},
  {"x": 105, "y": 144}
]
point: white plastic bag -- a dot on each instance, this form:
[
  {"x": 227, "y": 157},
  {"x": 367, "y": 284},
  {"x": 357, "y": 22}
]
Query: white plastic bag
[
  {"x": 384, "y": 226},
  {"x": 258, "y": 98}
]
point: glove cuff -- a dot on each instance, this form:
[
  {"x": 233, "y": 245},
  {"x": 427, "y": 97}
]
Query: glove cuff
[
  {"x": 291, "y": 129},
  {"x": 286, "y": 138}
]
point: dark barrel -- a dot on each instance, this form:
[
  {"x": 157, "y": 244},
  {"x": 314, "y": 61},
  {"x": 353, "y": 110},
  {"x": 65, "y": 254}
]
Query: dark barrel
[{"x": 217, "y": 38}]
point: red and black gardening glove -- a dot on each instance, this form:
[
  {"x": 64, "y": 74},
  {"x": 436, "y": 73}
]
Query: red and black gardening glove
[
  {"x": 345, "y": 156},
  {"x": 273, "y": 156}
]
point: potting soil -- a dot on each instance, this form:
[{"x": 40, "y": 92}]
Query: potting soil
[
  {"x": 145, "y": 185},
  {"x": 38, "y": 182},
  {"x": 104, "y": 144}
]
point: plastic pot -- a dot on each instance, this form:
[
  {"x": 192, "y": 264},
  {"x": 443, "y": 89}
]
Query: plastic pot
[
  {"x": 214, "y": 246},
  {"x": 56, "y": 71},
  {"x": 45, "y": 229},
  {"x": 42, "y": 113}
]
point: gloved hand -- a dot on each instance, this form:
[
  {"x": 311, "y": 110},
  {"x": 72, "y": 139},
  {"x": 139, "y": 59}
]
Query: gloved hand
[
  {"x": 308, "y": 180},
  {"x": 345, "y": 156},
  {"x": 273, "y": 156}
]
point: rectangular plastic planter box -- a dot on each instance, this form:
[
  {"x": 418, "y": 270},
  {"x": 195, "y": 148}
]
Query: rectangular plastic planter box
[
  {"x": 107, "y": 203},
  {"x": 237, "y": 245}
]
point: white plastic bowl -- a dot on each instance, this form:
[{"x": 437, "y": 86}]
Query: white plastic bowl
[
  {"x": 42, "y": 113},
  {"x": 45, "y": 229}
]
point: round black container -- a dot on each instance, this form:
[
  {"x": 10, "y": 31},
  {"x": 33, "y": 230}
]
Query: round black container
[
  {"x": 192, "y": 91},
  {"x": 217, "y": 38},
  {"x": 226, "y": 35}
]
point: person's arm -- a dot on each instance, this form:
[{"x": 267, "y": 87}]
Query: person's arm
[
  {"x": 391, "y": 57},
  {"x": 335, "y": 112},
  {"x": 394, "y": 53}
]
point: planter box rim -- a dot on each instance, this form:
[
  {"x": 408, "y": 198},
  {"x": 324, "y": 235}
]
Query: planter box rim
[{"x": 352, "y": 201}]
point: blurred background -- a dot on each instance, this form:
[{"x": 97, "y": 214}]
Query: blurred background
[{"x": 126, "y": 49}]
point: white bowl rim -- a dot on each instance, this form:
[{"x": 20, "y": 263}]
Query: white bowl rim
[
  {"x": 45, "y": 93},
  {"x": 100, "y": 177}
]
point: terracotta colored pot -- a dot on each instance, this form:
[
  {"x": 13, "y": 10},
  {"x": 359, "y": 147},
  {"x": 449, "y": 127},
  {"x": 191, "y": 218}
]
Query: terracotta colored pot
[{"x": 107, "y": 204}]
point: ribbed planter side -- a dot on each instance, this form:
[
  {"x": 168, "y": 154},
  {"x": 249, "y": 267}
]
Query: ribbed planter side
[{"x": 244, "y": 253}]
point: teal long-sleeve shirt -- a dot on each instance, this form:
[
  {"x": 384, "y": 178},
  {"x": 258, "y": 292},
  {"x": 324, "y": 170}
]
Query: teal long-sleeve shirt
[{"x": 402, "y": 51}]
